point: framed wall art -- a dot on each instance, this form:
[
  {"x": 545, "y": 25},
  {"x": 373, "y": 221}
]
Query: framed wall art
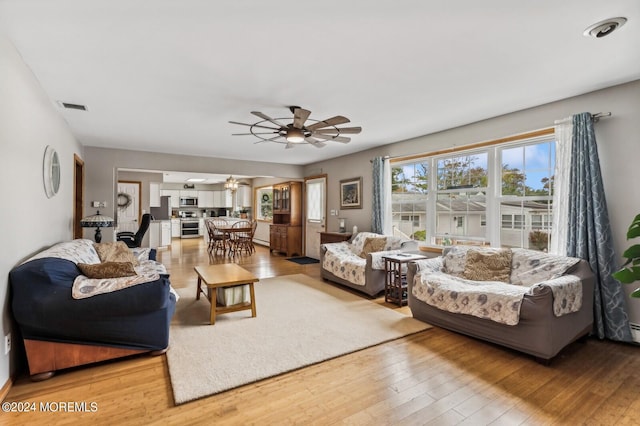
[{"x": 351, "y": 193}]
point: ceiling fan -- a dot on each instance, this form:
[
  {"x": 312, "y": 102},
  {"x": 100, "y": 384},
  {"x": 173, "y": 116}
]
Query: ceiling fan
[{"x": 302, "y": 130}]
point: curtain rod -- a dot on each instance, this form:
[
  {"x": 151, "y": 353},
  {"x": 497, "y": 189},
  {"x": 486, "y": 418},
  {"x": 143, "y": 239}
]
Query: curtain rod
[{"x": 597, "y": 116}]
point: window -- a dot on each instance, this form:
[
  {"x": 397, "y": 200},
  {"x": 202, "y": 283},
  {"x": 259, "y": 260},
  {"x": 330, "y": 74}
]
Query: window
[
  {"x": 315, "y": 202},
  {"x": 264, "y": 203},
  {"x": 500, "y": 194},
  {"x": 409, "y": 190},
  {"x": 526, "y": 193},
  {"x": 461, "y": 197}
]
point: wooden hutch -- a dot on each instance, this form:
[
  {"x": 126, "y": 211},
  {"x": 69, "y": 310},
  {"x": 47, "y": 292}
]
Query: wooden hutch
[{"x": 285, "y": 234}]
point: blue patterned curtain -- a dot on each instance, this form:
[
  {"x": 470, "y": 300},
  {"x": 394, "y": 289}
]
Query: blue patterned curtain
[
  {"x": 589, "y": 231},
  {"x": 377, "y": 210}
]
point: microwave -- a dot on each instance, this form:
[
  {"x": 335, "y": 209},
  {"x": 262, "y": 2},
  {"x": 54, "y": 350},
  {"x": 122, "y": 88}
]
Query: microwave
[{"x": 188, "y": 201}]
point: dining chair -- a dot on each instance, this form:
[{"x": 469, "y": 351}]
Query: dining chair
[
  {"x": 241, "y": 240},
  {"x": 216, "y": 235}
]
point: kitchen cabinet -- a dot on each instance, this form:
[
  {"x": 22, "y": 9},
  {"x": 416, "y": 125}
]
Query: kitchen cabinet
[
  {"x": 188, "y": 193},
  {"x": 201, "y": 227},
  {"x": 154, "y": 194},
  {"x": 175, "y": 197},
  {"x": 222, "y": 199},
  {"x": 244, "y": 196},
  {"x": 285, "y": 234},
  {"x": 175, "y": 228},
  {"x": 205, "y": 199}
]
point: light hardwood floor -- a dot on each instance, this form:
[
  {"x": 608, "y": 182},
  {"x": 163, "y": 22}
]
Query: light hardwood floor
[{"x": 433, "y": 377}]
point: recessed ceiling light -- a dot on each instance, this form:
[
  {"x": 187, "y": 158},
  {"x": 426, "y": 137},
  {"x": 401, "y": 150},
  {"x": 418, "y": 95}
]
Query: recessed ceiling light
[
  {"x": 195, "y": 180},
  {"x": 604, "y": 28}
]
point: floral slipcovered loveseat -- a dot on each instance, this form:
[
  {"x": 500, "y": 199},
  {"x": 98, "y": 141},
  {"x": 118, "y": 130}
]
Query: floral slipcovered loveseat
[
  {"x": 358, "y": 264},
  {"x": 527, "y": 300},
  {"x": 67, "y": 318}
]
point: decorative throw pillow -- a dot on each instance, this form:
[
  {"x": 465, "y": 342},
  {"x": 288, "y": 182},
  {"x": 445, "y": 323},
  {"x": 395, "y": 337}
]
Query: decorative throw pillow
[
  {"x": 107, "y": 269},
  {"x": 488, "y": 266},
  {"x": 372, "y": 245},
  {"x": 115, "y": 252}
]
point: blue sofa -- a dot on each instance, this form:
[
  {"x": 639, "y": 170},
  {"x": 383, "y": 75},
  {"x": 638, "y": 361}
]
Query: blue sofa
[{"x": 60, "y": 331}]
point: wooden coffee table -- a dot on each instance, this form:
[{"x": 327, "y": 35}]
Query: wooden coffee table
[{"x": 221, "y": 276}]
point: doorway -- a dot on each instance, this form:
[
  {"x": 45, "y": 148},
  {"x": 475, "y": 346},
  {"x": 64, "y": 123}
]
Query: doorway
[
  {"x": 78, "y": 195},
  {"x": 315, "y": 213},
  {"x": 128, "y": 200}
]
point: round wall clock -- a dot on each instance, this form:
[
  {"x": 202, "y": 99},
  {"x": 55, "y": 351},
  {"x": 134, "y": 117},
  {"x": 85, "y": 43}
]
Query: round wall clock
[{"x": 51, "y": 171}]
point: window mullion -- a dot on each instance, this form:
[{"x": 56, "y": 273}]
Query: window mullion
[{"x": 432, "y": 201}]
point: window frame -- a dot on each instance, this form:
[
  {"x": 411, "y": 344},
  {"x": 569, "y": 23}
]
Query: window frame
[
  {"x": 490, "y": 221},
  {"x": 258, "y": 197}
]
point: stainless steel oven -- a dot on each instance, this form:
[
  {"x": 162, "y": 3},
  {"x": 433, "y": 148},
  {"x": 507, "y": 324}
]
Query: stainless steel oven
[{"x": 189, "y": 228}]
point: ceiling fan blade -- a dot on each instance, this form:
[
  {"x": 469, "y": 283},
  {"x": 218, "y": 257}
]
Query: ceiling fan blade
[
  {"x": 333, "y": 121},
  {"x": 266, "y": 117},
  {"x": 254, "y": 125},
  {"x": 299, "y": 117},
  {"x": 336, "y": 138},
  {"x": 256, "y": 133},
  {"x": 315, "y": 142},
  {"x": 273, "y": 139},
  {"x": 338, "y": 131}
]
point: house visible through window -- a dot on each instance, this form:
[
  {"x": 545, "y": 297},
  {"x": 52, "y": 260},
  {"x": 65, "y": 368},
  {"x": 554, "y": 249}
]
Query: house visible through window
[{"x": 449, "y": 195}]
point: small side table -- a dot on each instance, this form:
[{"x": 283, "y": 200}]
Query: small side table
[
  {"x": 395, "y": 285},
  {"x": 334, "y": 237}
]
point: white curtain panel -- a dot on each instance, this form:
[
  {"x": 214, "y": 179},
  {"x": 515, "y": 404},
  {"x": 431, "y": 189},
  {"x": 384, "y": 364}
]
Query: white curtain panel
[
  {"x": 387, "y": 223},
  {"x": 564, "y": 135}
]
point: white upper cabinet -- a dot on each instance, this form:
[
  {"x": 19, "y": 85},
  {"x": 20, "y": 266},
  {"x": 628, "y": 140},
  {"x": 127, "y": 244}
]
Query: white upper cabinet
[
  {"x": 244, "y": 196},
  {"x": 206, "y": 199},
  {"x": 222, "y": 199}
]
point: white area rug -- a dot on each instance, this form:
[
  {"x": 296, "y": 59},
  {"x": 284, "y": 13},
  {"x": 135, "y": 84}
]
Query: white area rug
[{"x": 300, "y": 321}]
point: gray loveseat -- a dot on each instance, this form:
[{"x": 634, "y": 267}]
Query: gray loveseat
[
  {"x": 545, "y": 324},
  {"x": 342, "y": 262}
]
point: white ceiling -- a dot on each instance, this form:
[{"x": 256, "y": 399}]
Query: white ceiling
[{"x": 168, "y": 75}]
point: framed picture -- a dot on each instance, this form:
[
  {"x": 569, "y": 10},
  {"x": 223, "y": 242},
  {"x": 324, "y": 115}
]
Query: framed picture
[{"x": 351, "y": 193}]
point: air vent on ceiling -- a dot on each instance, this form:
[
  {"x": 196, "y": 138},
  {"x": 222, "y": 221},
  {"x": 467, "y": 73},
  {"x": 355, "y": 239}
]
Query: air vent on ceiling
[{"x": 68, "y": 105}]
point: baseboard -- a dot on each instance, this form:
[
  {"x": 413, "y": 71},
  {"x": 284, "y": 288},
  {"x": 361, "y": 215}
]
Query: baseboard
[
  {"x": 635, "y": 332},
  {"x": 5, "y": 389}
]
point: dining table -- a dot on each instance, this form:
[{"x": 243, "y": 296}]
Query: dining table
[{"x": 227, "y": 231}]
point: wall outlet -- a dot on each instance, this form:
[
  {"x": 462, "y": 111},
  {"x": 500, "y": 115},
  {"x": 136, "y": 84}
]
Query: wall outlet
[{"x": 7, "y": 343}]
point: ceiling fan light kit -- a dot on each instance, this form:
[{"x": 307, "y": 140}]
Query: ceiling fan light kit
[{"x": 302, "y": 130}]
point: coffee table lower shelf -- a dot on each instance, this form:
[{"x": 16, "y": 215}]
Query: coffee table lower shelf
[{"x": 225, "y": 276}]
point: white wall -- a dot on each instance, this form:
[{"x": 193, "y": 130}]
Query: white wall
[
  {"x": 29, "y": 221},
  {"x": 618, "y": 148}
]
